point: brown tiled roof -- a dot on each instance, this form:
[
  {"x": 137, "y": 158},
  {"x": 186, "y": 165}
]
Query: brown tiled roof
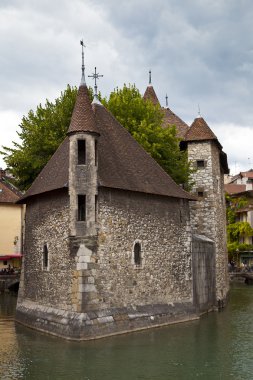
[
  {"x": 82, "y": 119},
  {"x": 8, "y": 193},
  {"x": 54, "y": 175},
  {"x": 151, "y": 95},
  {"x": 124, "y": 164},
  {"x": 172, "y": 119},
  {"x": 248, "y": 174},
  {"x": 199, "y": 130},
  {"x": 233, "y": 188}
]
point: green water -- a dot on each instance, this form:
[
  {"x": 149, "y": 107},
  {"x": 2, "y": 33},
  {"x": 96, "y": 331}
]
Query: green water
[{"x": 219, "y": 346}]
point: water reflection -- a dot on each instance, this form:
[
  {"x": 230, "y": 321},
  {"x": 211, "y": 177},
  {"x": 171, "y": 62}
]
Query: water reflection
[{"x": 217, "y": 347}]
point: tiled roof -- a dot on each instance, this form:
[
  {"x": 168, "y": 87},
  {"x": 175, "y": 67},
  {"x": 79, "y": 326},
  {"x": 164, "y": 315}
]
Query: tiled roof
[
  {"x": 151, "y": 95},
  {"x": 124, "y": 164},
  {"x": 233, "y": 188},
  {"x": 199, "y": 130},
  {"x": 172, "y": 119},
  {"x": 8, "y": 193},
  {"x": 82, "y": 119},
  {"x": 54, "y": 175}
]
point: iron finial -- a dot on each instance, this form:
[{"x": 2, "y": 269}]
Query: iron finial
[
  {"x": 149, "y": 76},
  {"x": 83, "y": 67},
  {"x": 166, "y": 100},
  {"x": 95, "y": 76}
]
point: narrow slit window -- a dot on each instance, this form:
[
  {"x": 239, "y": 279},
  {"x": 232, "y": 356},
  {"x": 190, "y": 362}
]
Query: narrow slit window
[
  {"x": 137, "y": 254},
  {"x": 96, "y": 152},
  {"x": 45, "y": 256},
  {"x": 96, "y": 208},
  {"x": 81, "y": 145},
  {"x": 81, "y": 208}
]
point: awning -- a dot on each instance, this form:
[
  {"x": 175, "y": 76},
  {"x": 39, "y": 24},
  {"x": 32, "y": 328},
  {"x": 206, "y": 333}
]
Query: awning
[{"x": 9, "y": 257}]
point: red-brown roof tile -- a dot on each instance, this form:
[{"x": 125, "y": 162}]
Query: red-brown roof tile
[
  {"x": 199, "y": 130},
  {"x": 8, "y": 193},
  {"x": 170, "y": 118},
  {"x": 151, "y": 95},
  {"x": 233, "y": 188},
  {"x": 82, "y": 118}
]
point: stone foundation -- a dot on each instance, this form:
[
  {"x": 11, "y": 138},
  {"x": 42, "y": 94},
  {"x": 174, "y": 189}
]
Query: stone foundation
[{"x": 101, "y": 323}]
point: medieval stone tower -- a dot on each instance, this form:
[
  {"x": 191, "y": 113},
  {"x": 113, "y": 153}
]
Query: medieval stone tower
[{"x": 208, "y": 214}]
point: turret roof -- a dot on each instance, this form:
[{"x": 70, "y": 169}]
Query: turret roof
[
  {"x": 151, "y": 95},
  {"x": 199, "y": 130},
  {"x": 82, "y": 119}
]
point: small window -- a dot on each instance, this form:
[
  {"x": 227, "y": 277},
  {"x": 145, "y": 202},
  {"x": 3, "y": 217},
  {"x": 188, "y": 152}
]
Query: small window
[
  {"x": 45, "y": 256},
  {"x": 200, "y": 164},
  {"x": 137, "y": 254},
  {"x": 96, "y": 208},
  {"x": 200, "y": 194},
  {"x": 5, "y": 262},
  {"x": 81, "y": 208},
  {"x": 96, "y": 152},
  {"x": 81, "y": 144}
]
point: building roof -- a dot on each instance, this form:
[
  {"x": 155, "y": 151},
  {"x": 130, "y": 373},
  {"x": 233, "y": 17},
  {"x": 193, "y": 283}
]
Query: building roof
[
  {"x": 172, "y": 119},
  {"x": 82, "y": 119},
  {"x": 233, "y": 188},
  {"x": 151, "y": 95},
  {"x": 8, "y": 192},
  {"x": 123, "y": 163},
  {"x": 199, "y": 130}
]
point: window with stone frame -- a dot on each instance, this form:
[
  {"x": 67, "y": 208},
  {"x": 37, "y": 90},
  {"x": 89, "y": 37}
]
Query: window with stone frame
[
  {"x": 201, "y": 164},
  {"x": 137, "y": 255},
  {"x": 45, "y": 257},
  {"x": 200, "y": 192},
  {"x": 81, "y": 152},
  {"x": 81, "y": 211}
]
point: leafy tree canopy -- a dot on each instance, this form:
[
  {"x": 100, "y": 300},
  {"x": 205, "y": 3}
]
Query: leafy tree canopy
[
  {"x": 42, "y": 131},
  {"x": 236, "y": 229}
]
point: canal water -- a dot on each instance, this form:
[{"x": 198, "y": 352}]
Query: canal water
[{"x": 218, "y": 346}]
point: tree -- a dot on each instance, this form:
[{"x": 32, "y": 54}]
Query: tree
[
  {"x": 42, "y": 131},
  {"x": 236, "y": 229}
]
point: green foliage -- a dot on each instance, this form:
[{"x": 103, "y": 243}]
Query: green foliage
[
  {"x": 143, "y": 120},
  {"x": 237, "y": 229},
  {"x": 42, "y": 131}
]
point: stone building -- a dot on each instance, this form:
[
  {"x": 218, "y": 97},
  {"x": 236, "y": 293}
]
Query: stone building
[
  {"x": 109, "y": 245},
  {"x": 11, "y": 221}
]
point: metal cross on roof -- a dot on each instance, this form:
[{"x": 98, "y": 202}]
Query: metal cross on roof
[
  {"x": 83, "y": 67},
  {"x": 149, "y": 76},
  {"x": 166, "y": 100},
  {"x": 95, "y": 76}
]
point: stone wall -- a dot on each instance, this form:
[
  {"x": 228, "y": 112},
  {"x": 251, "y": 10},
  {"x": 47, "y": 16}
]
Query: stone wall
[
  {"x": 161, "y": 226},
  {"x": 47, "y": 222},
  {"x": 208, "y": 214}
]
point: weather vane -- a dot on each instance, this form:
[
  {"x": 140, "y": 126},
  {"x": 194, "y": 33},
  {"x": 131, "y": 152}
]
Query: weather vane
[
  {"x": 95, "y": 76},
  {"x": 83, "y": 67}
]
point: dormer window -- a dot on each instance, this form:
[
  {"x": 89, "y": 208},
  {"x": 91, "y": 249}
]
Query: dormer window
[{"x": 81, "y": 147}]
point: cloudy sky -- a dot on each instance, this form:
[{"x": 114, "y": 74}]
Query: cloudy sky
[{"x": 199, "y": 51}]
